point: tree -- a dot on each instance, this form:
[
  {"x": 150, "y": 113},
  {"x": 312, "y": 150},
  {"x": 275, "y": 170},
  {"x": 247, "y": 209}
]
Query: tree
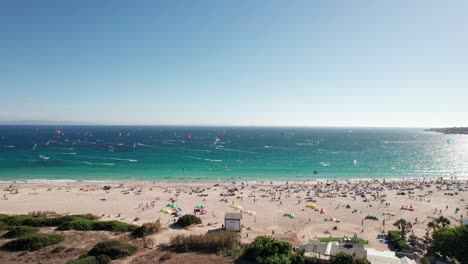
[
  {"x": 451, "y": 242},
  {"x": 433, "y": 225},
  {"x": 444, "y": 222},
  {"x": 267, "y": 250},
  {"x": 343, "y": 258},
  {"x": 403, "y": 226}
]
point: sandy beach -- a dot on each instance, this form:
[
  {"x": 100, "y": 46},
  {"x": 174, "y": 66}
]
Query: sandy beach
[{"x": 263, "y": 205}]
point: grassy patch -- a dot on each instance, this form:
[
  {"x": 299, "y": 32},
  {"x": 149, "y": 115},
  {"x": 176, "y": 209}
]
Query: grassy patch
[
  {"x": 20, "y": 231},
  {"x": 147, "y": 229},
  {"x": 32, "y": 242},
  {"x": 359, "y": 241},
  {"x": 211, "y": 242}
]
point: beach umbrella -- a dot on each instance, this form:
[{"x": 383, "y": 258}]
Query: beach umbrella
[
  {"x": 311, "y": 206},
  {"x": 171, "y": 205},
  {"x": 178, "y": 208},
  {"x": 200, "y": 207}
]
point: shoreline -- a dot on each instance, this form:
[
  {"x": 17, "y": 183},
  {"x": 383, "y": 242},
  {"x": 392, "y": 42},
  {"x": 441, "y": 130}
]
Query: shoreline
[{"x": 264, "y": 181}]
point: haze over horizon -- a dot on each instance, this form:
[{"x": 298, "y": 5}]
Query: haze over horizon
[{"x": 245, "y": 63}]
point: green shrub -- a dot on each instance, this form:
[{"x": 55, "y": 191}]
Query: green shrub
[
  {"x": 235, "y": 252},
  {"x": 400, "y": 244},
  {"x": 32, "y": 242},
  {"x": 343, "y": 258},
  {"x": 58, "y": 249},
  {"x": 16, "y": 220},
  {"x": 4, "y": 226},
  {"x": 114, "y": 226},
  {"x": 269, "y": 251},
  {"x": 147, "y": 229},
  {"x": 20, "y": 231},
  {"x": 165, "y": 256},
  {"x": 80, "y": 224},
  {"x": 113, "y": 249},
  {"x": 103, "y": 259},
  {"x": 86, "y": 260},
  {"x": 187, "y": 220}
]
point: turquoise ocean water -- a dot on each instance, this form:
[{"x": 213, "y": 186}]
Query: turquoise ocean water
[{"x": 229, "y": 153}]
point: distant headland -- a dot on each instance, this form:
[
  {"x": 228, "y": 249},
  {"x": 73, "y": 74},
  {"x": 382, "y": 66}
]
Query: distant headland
[{"x": 449, "y": 130}]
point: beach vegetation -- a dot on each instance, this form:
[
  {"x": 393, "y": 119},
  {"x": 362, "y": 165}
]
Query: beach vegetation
[
  {"x": 70, "y": 222},
  {"x": 32, "y": 242},
  {"x": 267, "y": 250},
  {"x": 147, "y": 229},
  {"x": 235, "y": 252},
  {"x": 437, "y": 223},
  {"x": 403, "y": 226},
  {"x": 209, "y": 242},
  {"x": 188, "y": 220},
  {"x": 114, "y": 226},
  {"x": 20, "y": 231},
  {"x": 400, "y": 244},
  {"x": 113, "y": 249},
  {"x": 343, "y": 258},
  {"x": 451, "y": 242},
  {"x": 79, "y": 224}
]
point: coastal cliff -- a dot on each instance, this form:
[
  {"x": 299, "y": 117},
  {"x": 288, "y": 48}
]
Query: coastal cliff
[{"x": 449, "y": 130}]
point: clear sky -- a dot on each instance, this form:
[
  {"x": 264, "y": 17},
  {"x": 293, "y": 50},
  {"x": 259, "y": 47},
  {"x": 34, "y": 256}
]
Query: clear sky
[{"x": 294, "y": 63}]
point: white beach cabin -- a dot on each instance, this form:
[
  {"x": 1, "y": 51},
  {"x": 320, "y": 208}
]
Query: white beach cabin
[{"x": 232, "y": 222}]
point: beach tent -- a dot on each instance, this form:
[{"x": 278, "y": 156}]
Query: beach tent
[
  {"x": 165, "y": 211},
  {"x": 311, "y": 206},
  {"x": 172, "y": 205},
  {"x": 200, "y": 207},
  {"x": 348, "y": 206}
]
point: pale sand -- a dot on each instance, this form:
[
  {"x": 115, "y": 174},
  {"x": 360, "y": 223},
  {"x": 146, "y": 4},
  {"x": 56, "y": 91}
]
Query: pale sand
[{"x": 68, "y": 198}]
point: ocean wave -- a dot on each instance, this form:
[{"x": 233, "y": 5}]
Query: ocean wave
[
  {"x": 98, "y": 163},
  {"x": 324, "y": 163},
  {"x": 399, "y": 142},
  {"x": 144, "y": 145},
  {"x": 65, "y": 153},
  {"x": 272, "y": 147},
  {"x": 197, "y": 158},
  {"x": 236, "y": 150},
  {"x": 106, "y": 158},
  {"x": 7, "y": 146},
  {"x": 44, "y": 157},
  {"x": 305, "y": 144}
]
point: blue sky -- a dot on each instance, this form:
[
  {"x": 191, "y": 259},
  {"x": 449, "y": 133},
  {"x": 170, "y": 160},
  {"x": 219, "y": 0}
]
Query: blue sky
[{"x": 294, "y": 63}]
